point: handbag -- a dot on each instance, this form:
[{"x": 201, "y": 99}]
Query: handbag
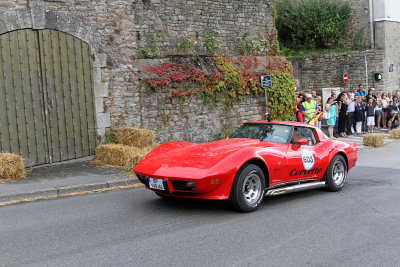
[{"x": 326, "y": 115}]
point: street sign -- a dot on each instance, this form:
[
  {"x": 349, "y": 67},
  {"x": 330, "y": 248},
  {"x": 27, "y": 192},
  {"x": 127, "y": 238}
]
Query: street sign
[
  {"x": 345, "y": 78},
  {"x": 266, "y": 81}
]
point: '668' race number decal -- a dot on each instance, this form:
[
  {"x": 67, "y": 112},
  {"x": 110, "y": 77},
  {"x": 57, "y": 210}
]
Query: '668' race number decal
[{"x": 308, "y": 159}]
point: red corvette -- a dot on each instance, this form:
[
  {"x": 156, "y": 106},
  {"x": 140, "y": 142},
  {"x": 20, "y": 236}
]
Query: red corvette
[{"x": 259, "y": 159}]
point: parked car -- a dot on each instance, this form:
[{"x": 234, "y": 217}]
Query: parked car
[{"x": 259, "y": 159}]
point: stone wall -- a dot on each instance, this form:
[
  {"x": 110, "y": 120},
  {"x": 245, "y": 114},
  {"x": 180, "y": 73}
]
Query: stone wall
[
  {"x": 327, "y": 70},
  {"x": 359, "y": 21},
  {"x": 173, "y": 19},
  {"x": 388, "y": 38},
  {"x": 113, "y": 29}
]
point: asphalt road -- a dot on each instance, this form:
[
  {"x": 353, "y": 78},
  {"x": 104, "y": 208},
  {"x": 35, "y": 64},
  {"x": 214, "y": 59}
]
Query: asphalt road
[{"x": 359, "y": 226}]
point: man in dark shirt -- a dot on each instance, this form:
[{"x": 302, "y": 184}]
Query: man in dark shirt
[
  {"x": 393, "y": 120},
  {"x": 370, "y": 95}
]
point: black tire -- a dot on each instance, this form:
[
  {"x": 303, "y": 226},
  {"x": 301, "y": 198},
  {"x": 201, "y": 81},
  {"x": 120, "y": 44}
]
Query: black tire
[
  {"x": 336, "y": 173},
  {"x": 249, "y": 175}
]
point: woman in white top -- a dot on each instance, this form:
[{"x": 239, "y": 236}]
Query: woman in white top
[{"x": 385, "y": 109}]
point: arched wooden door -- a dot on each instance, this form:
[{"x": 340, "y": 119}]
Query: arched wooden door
[{"x": 46, "y": 96}]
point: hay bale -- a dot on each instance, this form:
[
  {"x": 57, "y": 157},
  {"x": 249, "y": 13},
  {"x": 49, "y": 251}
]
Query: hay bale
[
  {"x": 375, "y": 139},
  {"x": 11, "y": 166},
  {"x": 135, "y": 137},
  {"x": 395, "y": 133},
  {"x": 119, "y": 155}
]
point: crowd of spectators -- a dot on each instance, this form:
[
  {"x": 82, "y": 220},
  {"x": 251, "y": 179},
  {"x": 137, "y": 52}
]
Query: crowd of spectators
[{"x": 353, "y": 112}]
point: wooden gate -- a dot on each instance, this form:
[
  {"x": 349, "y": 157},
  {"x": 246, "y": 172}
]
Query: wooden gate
[{"x": 46, "y": 96}]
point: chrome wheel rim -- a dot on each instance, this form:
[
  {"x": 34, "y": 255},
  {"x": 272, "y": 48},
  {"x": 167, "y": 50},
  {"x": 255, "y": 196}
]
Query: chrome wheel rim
[
  {"x": 252, "y": 188},
  {"x": 338, "y": 172}
]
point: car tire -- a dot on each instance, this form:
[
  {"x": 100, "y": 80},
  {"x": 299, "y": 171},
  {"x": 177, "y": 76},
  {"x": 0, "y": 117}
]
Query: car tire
[
  {"x": 248, "y": 189},
  {"x": 336, "y": 173}
]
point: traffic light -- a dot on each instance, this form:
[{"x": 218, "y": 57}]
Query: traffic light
[{"x": 378, "y": 76}]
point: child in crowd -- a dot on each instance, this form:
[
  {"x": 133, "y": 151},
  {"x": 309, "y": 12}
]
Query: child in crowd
[
  {"x": 359, "y": 114},
  {"x": 371, "y": 114}
]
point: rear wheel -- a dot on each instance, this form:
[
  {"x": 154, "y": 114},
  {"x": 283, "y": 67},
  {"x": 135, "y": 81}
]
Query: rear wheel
[
  {"x": 336, "y": 173},
  {"x": 248, "y": 188}
]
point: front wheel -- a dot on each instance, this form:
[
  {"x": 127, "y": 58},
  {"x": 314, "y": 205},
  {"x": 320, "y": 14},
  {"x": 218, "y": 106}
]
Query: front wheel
[
  {"x": 336, "y": 173},
  {"x": 248, "y": 188}
]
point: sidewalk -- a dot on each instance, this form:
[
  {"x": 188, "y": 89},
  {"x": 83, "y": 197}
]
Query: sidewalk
[
  {"x": 65, "y": 178},
  {"x": 358, "y": 139}
]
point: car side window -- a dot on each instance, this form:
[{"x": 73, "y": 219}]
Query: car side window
[{"x": 305, "y": 133}]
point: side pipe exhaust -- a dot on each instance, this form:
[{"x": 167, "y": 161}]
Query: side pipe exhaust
[{"x": 294, "y": 188}]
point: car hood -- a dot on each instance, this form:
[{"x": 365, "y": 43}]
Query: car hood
[{"x": 194, "y": 160}]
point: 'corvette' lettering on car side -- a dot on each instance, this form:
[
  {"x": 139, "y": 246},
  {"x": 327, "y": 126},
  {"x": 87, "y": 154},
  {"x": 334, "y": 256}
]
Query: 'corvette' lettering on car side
[{"x": 296, "y": 172}]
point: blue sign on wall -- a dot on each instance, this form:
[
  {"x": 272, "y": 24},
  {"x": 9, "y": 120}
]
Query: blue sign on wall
[
  {"x": 391, "y": 68},
  {"x": 266, "y": 81}
]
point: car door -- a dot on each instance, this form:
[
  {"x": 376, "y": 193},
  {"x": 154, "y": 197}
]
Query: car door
[{"x": 304, "y": 162}]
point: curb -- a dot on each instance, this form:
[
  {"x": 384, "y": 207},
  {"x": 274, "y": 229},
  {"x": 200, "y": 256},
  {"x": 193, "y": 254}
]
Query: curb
[{"x": 62, "y": 190}]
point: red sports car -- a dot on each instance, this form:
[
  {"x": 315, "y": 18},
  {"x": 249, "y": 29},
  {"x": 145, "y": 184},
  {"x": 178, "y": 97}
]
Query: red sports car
[{"x": 259, "y": 159}]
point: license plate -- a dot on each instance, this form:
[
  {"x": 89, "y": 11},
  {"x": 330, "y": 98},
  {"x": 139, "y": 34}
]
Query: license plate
[{"x": 156, "y": 184}]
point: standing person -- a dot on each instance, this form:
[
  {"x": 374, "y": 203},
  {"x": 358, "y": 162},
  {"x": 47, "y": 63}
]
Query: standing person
[
  {"x": 309, "y": 108},
  {"x": 393, "y": 120},
  {"x": 378, "y": 113},
  {"x": 360, "y": 91},
  {"x": 393, "y": 106},
  {"x": 350, "y": 113},
  {"x": 342, "y": 114},
  {"x": 390, "y": 96},
  {"x": 359, "y": 114},
  {"x": 314, "y": 95},
  {"x": 396, "y": 102},
  {"x": 371, "y": 95},
  {"x": 371, "y": 114},
  {"x": 385, "y": 109},
  {"x": 333, "y": 94},
  {"x": 299, "y": 113},
  {"x": 318, "y": 123},
  {"x": 341, "y": 90},
  {"x": 330, "y": 107}
]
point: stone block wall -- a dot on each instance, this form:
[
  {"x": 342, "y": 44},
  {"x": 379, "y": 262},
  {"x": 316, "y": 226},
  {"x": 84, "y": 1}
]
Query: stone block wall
[
  {"x": 327, "y": 70},
  {"x": 388, "y": 38},
  {"x": 113, "y": 29},
  {"x": 359, "y": 21},
  {"x": 173, "y": 19}
]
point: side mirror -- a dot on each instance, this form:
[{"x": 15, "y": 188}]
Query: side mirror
[{"x": 301, "y": 142}]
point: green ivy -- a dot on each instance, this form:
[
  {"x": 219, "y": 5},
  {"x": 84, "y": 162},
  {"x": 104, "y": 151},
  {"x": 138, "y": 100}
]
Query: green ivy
[
  {"x": 281, "y": 96},
  {"x": 211, "y": 42},
  {"x": 312, "y": 24}
]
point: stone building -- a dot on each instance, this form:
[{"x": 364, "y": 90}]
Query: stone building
[
  {"x": 64, "y": 78},
  {"x": 376, "y": 22}
]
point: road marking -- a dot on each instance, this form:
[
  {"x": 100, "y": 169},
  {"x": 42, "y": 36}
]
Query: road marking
[{"x": 78, "y": 193}]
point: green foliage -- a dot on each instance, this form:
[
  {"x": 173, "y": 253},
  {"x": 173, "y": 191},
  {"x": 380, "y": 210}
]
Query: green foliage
[
  {"x": 313, "y": 24},
  {"x": 358, "y": 42},
  {"x": 251, "y": 47},
  {"x": 211, "y": 42},
  {"x": 110, "y": 136},
  {"x": 150, "y": 46},
  {"x": 186, "y": 45},
  {"x": 281, "y": 96}
]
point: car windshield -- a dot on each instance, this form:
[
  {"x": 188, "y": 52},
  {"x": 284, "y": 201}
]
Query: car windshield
[{"x": 276, "y": 133}]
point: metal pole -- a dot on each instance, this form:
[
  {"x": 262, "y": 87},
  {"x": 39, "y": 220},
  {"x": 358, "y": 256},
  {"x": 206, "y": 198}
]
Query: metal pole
[
  {"x": 366, "y": 69},
  {"x": 371, "y": 23},
  {"x": 266, "y": 103}
]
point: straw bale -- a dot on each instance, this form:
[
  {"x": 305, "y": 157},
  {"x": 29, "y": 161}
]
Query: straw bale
[
  {"x": 135, "y": 137},
  {"x": 395, "y": 133},
  {"x": 11, "y": 166},
  {"x": 119, "y": 155},
  {"x": 375, "y": 139}
]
